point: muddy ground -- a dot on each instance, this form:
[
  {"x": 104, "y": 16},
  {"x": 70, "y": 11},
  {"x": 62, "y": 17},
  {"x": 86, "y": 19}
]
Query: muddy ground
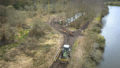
[{"x": 69, "y": 38}]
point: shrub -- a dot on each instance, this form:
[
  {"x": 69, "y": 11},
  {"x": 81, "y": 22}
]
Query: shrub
[
  {"x": 96, "y": 29},
  {"x": 101, "y": 41},
  {"x": 39, "y": 29},
  {"x": 9, "y": 28},
  {"x": 2, "y": 11},
  {"x": 14, "y": 17}
]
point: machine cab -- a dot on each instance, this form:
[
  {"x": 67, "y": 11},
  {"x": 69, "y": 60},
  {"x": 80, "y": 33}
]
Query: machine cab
[
  {"x": 66, "y": 47},
  {"x": 66, "y": 51}
]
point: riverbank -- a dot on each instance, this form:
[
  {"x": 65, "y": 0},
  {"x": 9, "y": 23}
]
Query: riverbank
[
  {"x": 95, "y": 42},
  {"x": 89, "y": 48},
  {"x": 113, "y": 3},
  {"x": 94, "y": 45}
]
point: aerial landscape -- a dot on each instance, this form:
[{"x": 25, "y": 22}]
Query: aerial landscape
[{"x": 59, "y": 33}]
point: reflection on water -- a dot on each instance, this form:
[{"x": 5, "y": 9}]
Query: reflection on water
[{"x": 111, "y": 32}]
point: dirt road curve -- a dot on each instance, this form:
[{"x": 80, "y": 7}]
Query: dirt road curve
[{"x": 69, "y": 38}]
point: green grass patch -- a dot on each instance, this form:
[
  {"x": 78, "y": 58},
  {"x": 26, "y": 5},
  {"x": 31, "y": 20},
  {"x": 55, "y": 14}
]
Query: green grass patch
[
  {"x": 72, "y": 29},
  {"x": 22, "y": 34},
  {"x": 98, "y": 18},
  {"x": 100, "y": 40},
  {"x": 75, "y": 45}
]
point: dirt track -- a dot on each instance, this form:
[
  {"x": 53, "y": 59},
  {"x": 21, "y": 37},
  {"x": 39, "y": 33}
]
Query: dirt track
[{"x": 69, "y": 38}]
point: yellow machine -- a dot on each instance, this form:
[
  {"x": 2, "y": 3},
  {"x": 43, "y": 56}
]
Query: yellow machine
[{"x": 65, "y": 54}]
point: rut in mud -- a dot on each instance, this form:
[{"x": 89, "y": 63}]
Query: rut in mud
[{"x": 69, "y": 38}]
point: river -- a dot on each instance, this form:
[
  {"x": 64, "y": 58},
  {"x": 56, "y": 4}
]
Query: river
[{"x": 111, "y": 32}]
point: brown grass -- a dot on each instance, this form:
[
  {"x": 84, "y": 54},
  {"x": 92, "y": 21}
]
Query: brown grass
[{"x": 78, "y": 54}]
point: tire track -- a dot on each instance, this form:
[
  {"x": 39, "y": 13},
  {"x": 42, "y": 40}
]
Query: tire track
[{"x": 69, "y": 38}]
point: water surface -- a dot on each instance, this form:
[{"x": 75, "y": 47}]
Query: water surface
[{"x": 111, "y": 32}]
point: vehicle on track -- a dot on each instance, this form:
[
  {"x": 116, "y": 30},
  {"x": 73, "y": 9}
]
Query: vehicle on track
[{"x": 65, "y": 54}]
